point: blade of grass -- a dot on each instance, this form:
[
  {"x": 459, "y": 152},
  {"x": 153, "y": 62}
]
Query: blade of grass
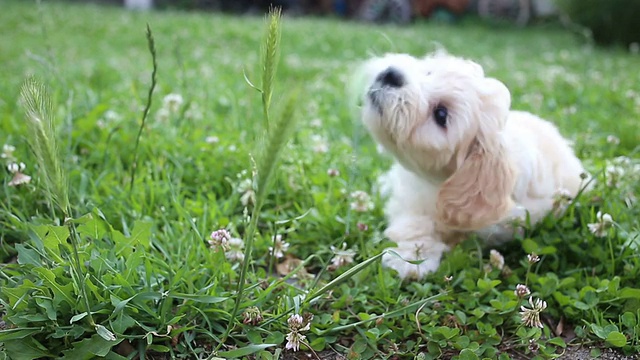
[
  {"x": 398, "y": 312},
  {"x": 340, "y": 279}
]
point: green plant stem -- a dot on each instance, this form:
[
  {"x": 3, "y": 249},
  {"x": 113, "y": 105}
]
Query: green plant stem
[
  {"x": 265, "y": 110},
  {"x": 272, "y": 253},
  {"x": 526, "y": 277},
  {"x": 75, "y": 242},
  {"x": 145, "y": 113},
  {"x": 253, "y": 224}
]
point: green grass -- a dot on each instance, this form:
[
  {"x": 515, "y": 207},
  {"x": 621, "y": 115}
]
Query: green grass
[{"x": 150, "y": 277}]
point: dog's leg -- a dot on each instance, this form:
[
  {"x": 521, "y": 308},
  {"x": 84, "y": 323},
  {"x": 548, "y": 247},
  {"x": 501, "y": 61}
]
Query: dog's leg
[
  {"x": 409, "y": 209},
  {"x": 418, "y": 242}
]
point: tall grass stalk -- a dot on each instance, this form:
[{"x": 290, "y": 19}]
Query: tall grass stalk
[
  {"x": 43, "y": 140},
  {"x": 145, "y": 113},
  {"x": 276, "y": 137}
]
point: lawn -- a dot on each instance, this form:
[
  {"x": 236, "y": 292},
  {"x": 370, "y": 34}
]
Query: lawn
[{"x": 130, "y": 267}]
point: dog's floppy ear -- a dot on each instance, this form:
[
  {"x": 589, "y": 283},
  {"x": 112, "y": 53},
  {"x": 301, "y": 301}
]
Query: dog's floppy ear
[{"x": 479, "y": 191}]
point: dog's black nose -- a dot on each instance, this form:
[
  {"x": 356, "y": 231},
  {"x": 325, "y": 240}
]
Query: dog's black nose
[{"x": 391, "y": 77}]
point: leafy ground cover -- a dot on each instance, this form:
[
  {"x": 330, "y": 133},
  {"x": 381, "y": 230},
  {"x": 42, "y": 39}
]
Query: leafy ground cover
[{"x": 160, "y": 232}]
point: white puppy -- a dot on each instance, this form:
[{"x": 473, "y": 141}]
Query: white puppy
[{"x": 464, "y": 162}]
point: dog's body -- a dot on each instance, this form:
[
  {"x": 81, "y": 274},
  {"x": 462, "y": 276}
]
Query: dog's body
[{"x": 464, "y": 162}]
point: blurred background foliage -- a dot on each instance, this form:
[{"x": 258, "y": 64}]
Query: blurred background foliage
[{"x": 605, "y": 22}]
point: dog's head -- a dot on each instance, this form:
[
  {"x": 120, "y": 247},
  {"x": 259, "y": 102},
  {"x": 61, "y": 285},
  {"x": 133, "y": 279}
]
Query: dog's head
[{"x": 442, "y": 118}]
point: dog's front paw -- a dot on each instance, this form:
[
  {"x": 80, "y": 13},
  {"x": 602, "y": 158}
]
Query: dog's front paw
[{"x": 414, "y": 262}]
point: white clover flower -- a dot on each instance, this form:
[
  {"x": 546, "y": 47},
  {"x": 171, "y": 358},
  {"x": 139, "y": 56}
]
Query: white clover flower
[
  {"x": 13, "y": 167},
  {"x": 622, "y": 160},
  {"x": 614, "y": 174},
  {"x": 236, "y": 250},
  {"x": 279, "y": 246},
  {"x": 8, "y": 149},
  {"x": 333, "y": 172},
  {"x": 601, "y": 227},
  {"x": 19, "y": 179},
  {"x": 248, "y": 195},
  {"x": 172, "y": 102},
  {"x": 613, "y": 140},
  {"x": 531, "y": 317},
  {"x": 562, "y": 193},
  {"x": 533, "y": 258},
  {"x": 194, "y": 112},
  {"x": 219, "y": 239},
  {"x": 571, "y": 110},
  {"x": 521, "y": 291},
  {"x": 342, "y": 256},
  {"x": 7, "y": 152},
  {"x": 294, "y": 339},
  {"x": 496, "y": 259},
  {"x": 162, "y": 115},
  {"x": 319, "y": 144},
  {"x": 111, "y": 115},
  {"x": 361, "y": 201},
  {"x": 561, "y": 196},
  {"x": 561, "y": 200},
  {"x": 212, "y": 140},
  {"x": 316, "y": 123},
  {"x": 297, "y": 324},
  {"x": 252, "y": 315},
  {"x": 108, "y": 117}
]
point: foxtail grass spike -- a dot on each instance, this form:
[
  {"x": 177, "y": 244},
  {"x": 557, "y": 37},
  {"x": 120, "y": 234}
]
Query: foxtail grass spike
[
  {"x": 270, "y": 55},
  {"x": 42, "y": 138},
  {"x": 274, "y": 143}
]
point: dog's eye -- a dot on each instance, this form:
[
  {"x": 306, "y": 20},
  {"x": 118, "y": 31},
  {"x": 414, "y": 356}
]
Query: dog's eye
[{"x": 440, "y": 114}]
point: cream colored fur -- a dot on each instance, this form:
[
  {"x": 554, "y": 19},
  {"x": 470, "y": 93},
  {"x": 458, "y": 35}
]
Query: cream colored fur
[{"x": 485, "y": 168}]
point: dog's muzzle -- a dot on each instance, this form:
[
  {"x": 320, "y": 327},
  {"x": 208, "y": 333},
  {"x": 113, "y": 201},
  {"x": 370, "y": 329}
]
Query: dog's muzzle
[
  {"x": 388, "y": 80},
  {"x": 376, "y": 96},
  {"x": 391, "y": 77}
]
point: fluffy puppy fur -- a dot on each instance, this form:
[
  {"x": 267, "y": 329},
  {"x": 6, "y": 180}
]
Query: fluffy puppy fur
[{"x": 464, "y": 161}]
